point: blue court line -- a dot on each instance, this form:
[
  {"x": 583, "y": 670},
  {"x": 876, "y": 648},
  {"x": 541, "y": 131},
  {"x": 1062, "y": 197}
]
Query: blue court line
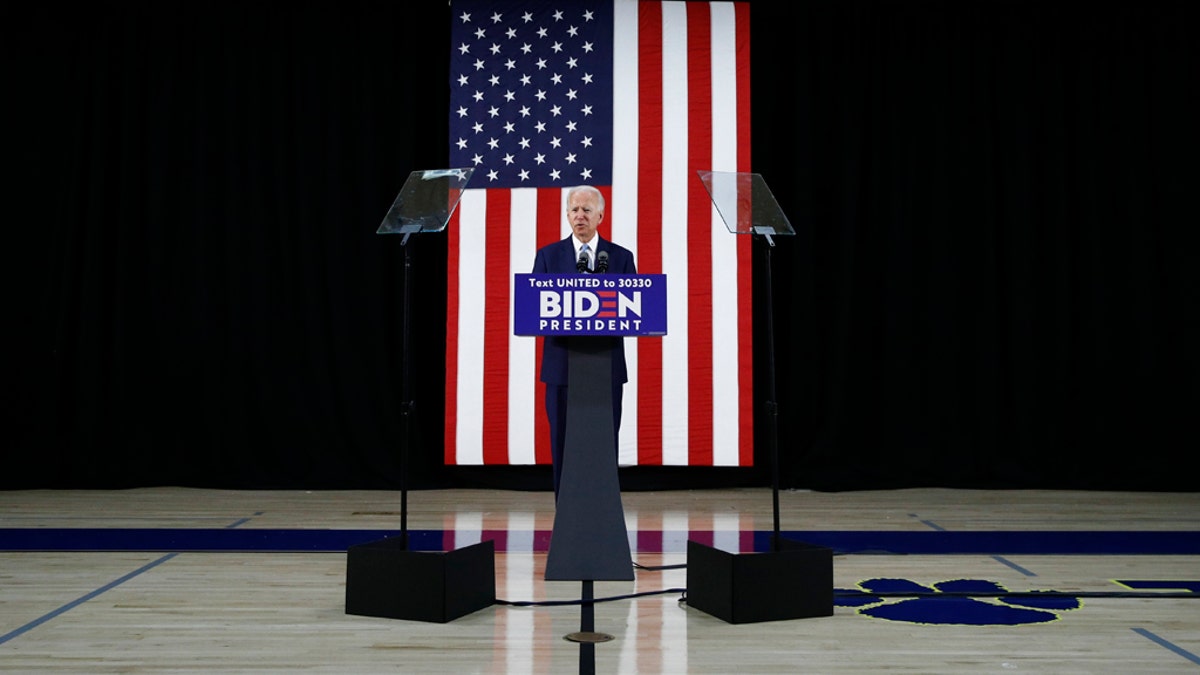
[
  {"x": 1013, "y": 565},
  {"x": 1168, "y": 645},
  {"x": 33, "y": 517},
  {"x": 109, "y": 586},
  {"x": 997, "y": 558},
  {"x": 75, "y": 603},
  {"x": 992, "y": 543}
]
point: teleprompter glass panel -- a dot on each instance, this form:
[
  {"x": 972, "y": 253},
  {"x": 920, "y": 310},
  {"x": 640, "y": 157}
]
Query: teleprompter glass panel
[
  {"x": 745, "y": 203},
  {"x": 425, "y": 201}
]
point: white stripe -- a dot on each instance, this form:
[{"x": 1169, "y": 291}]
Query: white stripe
[
  {"x": 518, "y": 576},
  {"x": 675, "y": 521},
  {"x": 632, "y": 657},
  {"x": 519, "y": 628},
  {"x": 624, "y": 209},
  {"x": 468, "y": 528},
  {"x": 675, "y": 623},
  {"x": 674, "y": 203},
  {"x": 522, "y": 351},
  {"x": 521, "y": 536},
  {"x": 727, "y": 532},
  {"x": 724, "y": 243},
  {"x": 631, "y": 528},
  {"x": 471, "y": 255}
]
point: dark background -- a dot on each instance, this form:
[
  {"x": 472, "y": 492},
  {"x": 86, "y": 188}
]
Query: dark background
[{"x": 993, "y": 282}]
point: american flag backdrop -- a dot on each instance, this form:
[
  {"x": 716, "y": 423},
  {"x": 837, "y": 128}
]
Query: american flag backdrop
[{"x": 633, "y": 97}]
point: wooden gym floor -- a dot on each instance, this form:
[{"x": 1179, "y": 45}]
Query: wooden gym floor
[{"x": 172, "y": 580}]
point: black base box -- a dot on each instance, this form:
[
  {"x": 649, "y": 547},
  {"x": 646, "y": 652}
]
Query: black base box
[
  {"x": 384, "y": 579},
  {"x": 795, "y": 582}
]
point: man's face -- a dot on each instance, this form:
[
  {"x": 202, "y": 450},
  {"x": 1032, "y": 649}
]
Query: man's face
[{"x": 584, "y": 214}]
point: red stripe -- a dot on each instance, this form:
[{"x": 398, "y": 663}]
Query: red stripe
[
  {"x": 650, "y": 166},
  {"x": 605, "y": 228},
  {"x": 450, "y": 445},
  {"x": 541, "y": 426},
  {"x": 550, "y": 215},
  {"x": 495, "y": 335},
  {"x": 744, "y": 249},
  {"x": 700, "y": 328}
]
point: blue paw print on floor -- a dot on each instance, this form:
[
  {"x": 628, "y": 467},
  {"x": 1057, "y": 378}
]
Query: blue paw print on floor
[{"x": 951, "y": 602}]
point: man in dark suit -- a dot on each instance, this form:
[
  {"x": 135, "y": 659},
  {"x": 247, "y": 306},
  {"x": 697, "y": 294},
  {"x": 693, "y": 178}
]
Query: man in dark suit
[{"x": 584, "y": 248}]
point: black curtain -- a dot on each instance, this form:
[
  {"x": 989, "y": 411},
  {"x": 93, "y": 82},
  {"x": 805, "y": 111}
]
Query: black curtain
[
  {"x": 991, "y": 283},
  {"x": 210, "y": 302},
  {"x": 994, "y": 285}
]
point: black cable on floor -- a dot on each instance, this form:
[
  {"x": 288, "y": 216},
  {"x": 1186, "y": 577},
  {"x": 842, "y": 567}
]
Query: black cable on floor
[
  {"x": 1017, "y": 594},
  {"x": 639, "y": 566},
  {"x": 554, "y": 603},
  {"x": 869, "y": 594},
  {"x": 860, "y": 594}
]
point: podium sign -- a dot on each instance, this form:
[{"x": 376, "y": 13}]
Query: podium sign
[{"x": 613, "y": 305}]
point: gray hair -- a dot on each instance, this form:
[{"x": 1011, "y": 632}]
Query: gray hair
[{"x": 589, "y": 189}]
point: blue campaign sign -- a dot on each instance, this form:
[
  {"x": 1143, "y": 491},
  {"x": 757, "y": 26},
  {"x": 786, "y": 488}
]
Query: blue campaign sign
[{"x": 590, "y": 304}]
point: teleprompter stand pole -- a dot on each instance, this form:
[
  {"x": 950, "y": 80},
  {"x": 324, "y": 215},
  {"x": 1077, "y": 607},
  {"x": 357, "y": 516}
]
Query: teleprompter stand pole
[
  {"x": 406, "y": 409},
  {"x": 772, "y": 407},
  {"x": 386, "y": 578},
  {"x": 787, "y": 579}
]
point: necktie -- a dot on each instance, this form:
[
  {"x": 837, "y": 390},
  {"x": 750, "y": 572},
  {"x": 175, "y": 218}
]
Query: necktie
[{"x": 584, "y": 251}]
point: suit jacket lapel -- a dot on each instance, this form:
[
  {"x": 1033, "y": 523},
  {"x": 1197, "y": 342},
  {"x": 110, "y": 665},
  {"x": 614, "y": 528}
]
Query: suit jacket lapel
[{"x": 567, "y": 257}]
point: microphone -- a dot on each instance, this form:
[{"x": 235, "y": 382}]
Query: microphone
[
  {"x": 581, "y": 265},
  {"x": 601, "y": 262}
]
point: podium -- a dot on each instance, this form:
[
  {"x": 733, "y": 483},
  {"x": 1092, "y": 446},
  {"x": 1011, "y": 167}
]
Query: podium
[
  {"x": 793, "y": 580},
  {"x": 385, "y": 578},
  {"x": 591, "y": 311}
]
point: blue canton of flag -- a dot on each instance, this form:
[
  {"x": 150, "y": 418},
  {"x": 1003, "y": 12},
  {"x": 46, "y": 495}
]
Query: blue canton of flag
[{"x": 531, "y": 93}]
